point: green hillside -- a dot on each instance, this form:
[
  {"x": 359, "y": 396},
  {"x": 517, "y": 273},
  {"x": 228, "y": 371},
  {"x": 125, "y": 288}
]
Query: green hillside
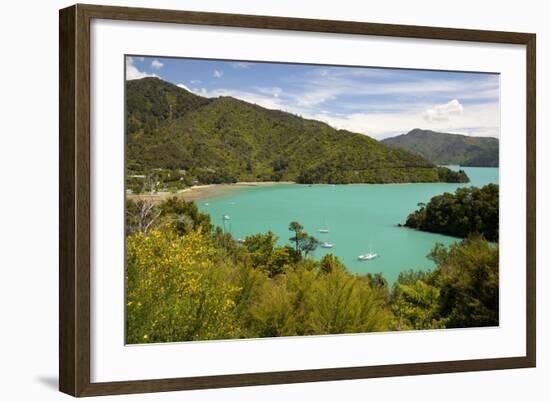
[
  {"x": 224, "y": 139},
  {"x": 441, "y": 148}
]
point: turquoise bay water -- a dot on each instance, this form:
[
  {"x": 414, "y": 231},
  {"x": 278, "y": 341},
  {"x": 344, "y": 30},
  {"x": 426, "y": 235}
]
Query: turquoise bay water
[{"x": 356, "y": 215}]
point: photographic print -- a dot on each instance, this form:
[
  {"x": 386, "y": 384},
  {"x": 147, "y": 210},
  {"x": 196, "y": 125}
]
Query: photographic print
[{"x": 269, "y": 199}]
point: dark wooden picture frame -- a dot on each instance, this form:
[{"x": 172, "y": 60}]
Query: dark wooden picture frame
[{"x": 74, "y": 199}]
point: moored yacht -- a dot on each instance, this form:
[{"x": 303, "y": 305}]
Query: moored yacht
[{"x": 370, "y": 255}]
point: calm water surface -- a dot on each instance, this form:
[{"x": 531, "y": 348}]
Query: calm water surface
[{"x": 359, "y": 217}]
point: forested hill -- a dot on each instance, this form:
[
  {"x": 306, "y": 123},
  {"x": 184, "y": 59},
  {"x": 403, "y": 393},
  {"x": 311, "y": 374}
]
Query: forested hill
[
  {"x": 442, "y": 148},
  {"x": 224, "y": 139},
  {"x": 468, "y": 211}
]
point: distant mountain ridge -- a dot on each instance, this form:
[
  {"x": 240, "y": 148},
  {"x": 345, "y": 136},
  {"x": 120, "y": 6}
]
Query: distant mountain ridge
[
  {"x": 449, "y": 149},
  {"x": 224, "y": 139}
]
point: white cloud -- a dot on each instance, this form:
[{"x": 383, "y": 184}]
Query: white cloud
[
  {"x": 195, "y": 81},
  {"x": 157, "y": 65},
  {"x": 132, "y": 72},
  {"x": 315, "y": 97},
  {"x": 271, "y": 91},
  {"x": 183, "y": 86},
  {"x": 392, "y": 105},
  {"x": 476, "y": 120},
  {"x": 267, "y": 101},
  {"x": 329, "y": 83},
  {"x": 241, "y": 65},
  {"x": 443, "y": 112}
]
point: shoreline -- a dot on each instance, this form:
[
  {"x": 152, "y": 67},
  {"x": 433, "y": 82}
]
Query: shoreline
[
  {"x": 201, "y": 192},
  {"x": 208, "y": 191}
]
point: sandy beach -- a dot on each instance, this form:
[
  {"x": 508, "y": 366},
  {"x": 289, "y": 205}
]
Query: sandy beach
[{"x": 199, "y": 192}]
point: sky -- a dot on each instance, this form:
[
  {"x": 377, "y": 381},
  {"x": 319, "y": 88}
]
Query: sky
[{"x": 379, "y": 102}]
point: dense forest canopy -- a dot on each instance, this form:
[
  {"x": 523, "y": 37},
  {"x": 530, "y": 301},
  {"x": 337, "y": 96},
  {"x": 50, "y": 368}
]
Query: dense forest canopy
[
  {"x": 183, "y": 139},
  {"x": 467, "y": 211},
  {"x": 186, "y": 280},
  {"x": 448, "y": 149}
]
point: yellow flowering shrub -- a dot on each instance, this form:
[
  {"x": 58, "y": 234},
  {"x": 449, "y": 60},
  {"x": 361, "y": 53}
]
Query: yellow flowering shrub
[{"x": 175, "y": 291}]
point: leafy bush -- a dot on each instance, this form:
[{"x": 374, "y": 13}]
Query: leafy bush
[
  {"x": 467, "y": 277},
  {"x": 462, "y": 291},
  {"x": 175, "y": 292}
]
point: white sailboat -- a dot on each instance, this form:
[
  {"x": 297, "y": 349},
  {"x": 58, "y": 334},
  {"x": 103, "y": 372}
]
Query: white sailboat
[
  {"x": 325, "y": 244},
  {"x": 370, "y": 255},
  {"x": 324, "y": 230},
  {"x": 367, "y": 256}
]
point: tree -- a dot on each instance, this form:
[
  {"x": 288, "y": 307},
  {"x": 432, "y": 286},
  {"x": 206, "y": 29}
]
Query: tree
[
  {"x": 281, "y": 259},
  {"x": 377, "y": 280},
  {"x": 151, "y": 183},
  {"x": 309, "y": 245},
  {"x": 468, "y": 279},
  {"x": 416, "y": 306},
  {"x": 141, "y": 216},
  {"x": 298, "y": 230},
  {"x": 344, "y": 303},
  {"x": 260, "y": 248},
  {"x": 303, "y": 242},
  {"x": 462, "y": 291},
  {"x": 185, "y": 216},
  {"x": 329, "y": 263}
]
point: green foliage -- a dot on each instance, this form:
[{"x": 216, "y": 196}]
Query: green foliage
[
  {"x": 158, "y": 180},
  {"x": 299, "y": 234},
  {"x": 303, "y": 242},
  {"x": 175, "y": 213},
  {"x": 467, "y": 211},
  {"x": 141, "y": 216},
  {"x": 224, "y": 140},
  {"x": 442, "y": 148},
  {"x": 462, "y": 291},
  {"x": 377, "y": 280},
  {"x": 174, "y": 291},
  {"x": 416, "y": 306},
  {"x": 407, "y": 277},
  {"x": 448, "y": 175},
  {"x": 345, "y": 303},
  {"x": 184, "y": 216},
  {"x": 263, "y": 253},
  {"x": 467, "y": 277},
  {"x": 188, "y": 281},
  {"x": 329, "y": 263},
  {"x": 302, "y": 302}
]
